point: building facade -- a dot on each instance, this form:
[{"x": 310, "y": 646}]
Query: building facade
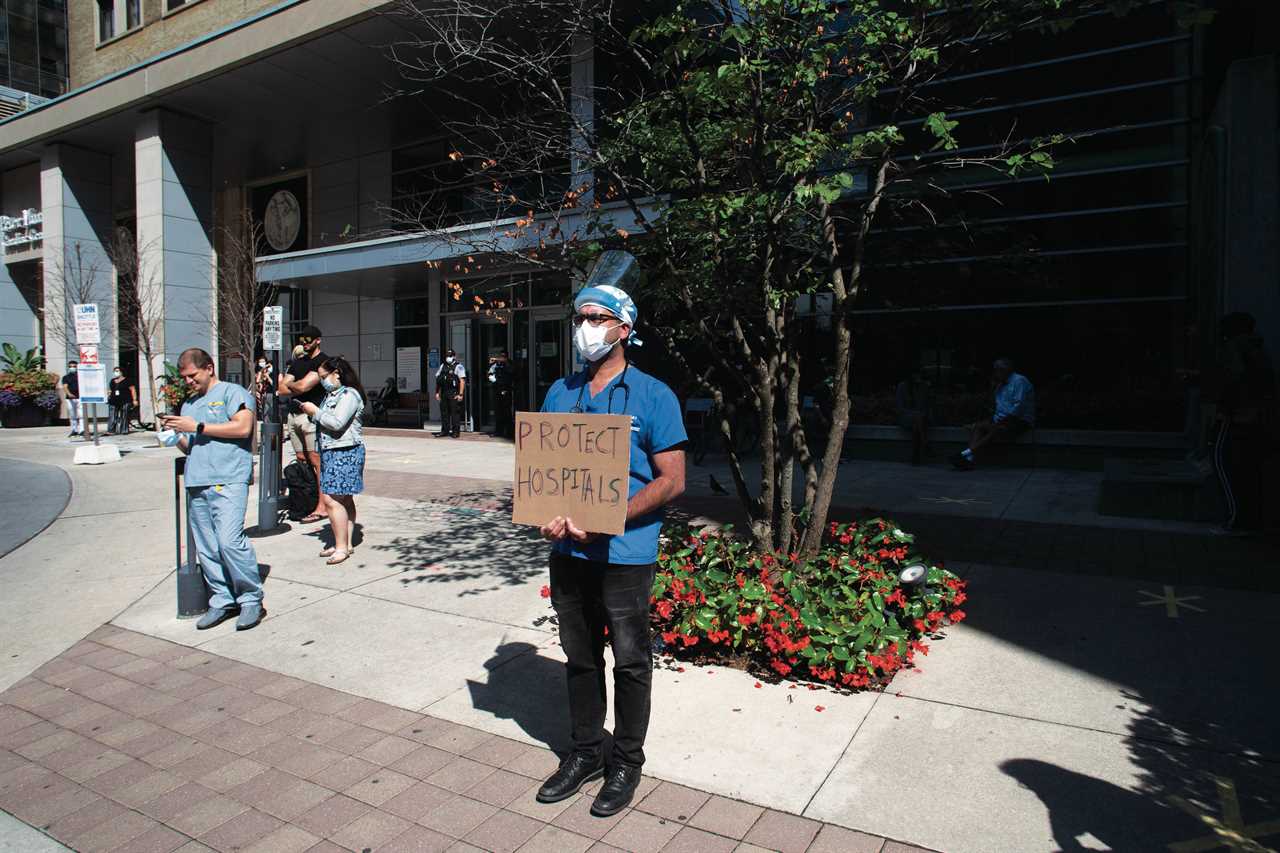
[{"x": 181, "y": 115}]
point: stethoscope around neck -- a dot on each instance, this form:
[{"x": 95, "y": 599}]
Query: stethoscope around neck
[{"x": 621, "y": 383}]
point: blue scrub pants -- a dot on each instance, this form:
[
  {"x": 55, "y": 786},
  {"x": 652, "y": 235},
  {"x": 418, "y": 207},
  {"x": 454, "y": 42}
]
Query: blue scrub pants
[{"x": 229, "y": 563}]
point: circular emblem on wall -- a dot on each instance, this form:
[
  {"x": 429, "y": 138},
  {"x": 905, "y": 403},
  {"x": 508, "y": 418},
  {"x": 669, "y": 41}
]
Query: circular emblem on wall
[{"x": 282, "y": 220}]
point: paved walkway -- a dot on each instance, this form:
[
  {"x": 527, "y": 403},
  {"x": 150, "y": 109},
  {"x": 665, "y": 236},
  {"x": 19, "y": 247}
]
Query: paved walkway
[
  {"x": 1070, "y": 711},
  {"x": 31, "y": 496},
  {"x": 130, "y": 743}
]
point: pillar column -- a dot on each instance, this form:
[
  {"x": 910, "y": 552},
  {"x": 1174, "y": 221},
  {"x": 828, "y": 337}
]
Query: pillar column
[
  {"x": 176, "y": 258},
  {"x": 75, "y": 195}
]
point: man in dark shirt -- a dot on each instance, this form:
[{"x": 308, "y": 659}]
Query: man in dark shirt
[
  {"x": 300, "y": 382},
  {"x": 71, "y": 390}
]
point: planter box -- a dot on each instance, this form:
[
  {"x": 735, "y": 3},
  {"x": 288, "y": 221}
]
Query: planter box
[{"x": 26, "y": 415}]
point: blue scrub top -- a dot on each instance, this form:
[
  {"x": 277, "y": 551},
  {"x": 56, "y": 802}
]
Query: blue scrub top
[
  {"x": 218, "y": 461},
  {"x": 656, "y": 426}
]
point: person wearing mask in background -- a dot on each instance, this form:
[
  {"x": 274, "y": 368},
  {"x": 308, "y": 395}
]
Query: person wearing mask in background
[
  {"x": 451, "y": 386},
  {"x": 215, "y": 430},
  {"x": 70, "y": 383},
  {"x": 339, "y": 421},
  {"x": 1246, "y": 398},
  {"x": 503, "y": 413},
  {"x": 121, "y": 394},
  {"x": 262, "y": 384},
  {"x": 605, "y": 581},
  {"x": 301, "y": 384}
]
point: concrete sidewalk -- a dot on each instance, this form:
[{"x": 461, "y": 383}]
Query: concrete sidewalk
[{"x": 1067, "y": 712}]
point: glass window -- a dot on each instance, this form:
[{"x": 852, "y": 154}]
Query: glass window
[
  {"x": 170, "y": 5},
  {"x": 412, "y": 312},
  {"x": 132, "y": 14},
  {"x": 22, "y": 40},
  {"x": 106, "y": 19}
]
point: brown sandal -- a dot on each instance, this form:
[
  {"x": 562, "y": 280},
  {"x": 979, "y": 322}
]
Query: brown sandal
[
  {"x": 313, "y": 518},
  {"x": 339, "y": 556}
]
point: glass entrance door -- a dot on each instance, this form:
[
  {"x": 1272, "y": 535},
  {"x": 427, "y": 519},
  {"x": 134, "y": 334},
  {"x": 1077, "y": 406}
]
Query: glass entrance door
[
  {"x": 493, "y": 340},
  {"x": 547, "y": 355}
]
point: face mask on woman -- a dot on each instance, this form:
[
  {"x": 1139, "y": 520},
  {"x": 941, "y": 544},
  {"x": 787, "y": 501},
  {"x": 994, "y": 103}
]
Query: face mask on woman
[
  {"x": 262, "y": 365},
  {"x": 330, "y": 384},
  {"x": 116, "y": 374}
]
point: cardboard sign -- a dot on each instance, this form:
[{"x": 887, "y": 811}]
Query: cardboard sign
[{"x": 572, "y": 465}]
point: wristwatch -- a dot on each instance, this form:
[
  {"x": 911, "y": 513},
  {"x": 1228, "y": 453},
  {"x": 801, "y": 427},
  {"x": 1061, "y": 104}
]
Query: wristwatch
[{"x": 200, "y": 428}]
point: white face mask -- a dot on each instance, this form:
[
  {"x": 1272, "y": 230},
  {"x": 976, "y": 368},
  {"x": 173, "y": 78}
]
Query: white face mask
[
  {"x": 330, "y": 384},
  {"x": 262, "y": 365},
  {"x": 115, "y": 373},
  {"x": 590, "y": 341}
]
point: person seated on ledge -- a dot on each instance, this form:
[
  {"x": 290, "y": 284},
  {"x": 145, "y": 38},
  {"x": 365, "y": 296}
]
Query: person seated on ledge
[
  {"x": 1015, "y": 414},
  {"x": 914, "y": 402}
]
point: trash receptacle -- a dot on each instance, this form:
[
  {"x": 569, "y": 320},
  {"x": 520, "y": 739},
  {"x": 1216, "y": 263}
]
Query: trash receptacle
[{"x": 193, "y": 595}]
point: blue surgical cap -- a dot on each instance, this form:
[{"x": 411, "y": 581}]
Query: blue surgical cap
[{"x": 611, "y": 299}]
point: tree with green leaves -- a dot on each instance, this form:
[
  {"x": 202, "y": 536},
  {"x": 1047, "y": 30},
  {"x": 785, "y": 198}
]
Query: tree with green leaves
[{"x": 743, "y": 149}]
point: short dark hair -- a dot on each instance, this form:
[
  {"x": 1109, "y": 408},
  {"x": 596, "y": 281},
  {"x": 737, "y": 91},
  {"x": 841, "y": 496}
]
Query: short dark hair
[
  {"x": 449, "y": 352},
  {"x": 196, "y": 357},
  {"x": 72, "y": 363}
]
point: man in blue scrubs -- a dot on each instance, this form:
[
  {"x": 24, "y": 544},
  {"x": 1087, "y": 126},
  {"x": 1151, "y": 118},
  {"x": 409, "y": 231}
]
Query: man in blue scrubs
[
  {"x": 600, "y": 581},
  {"x": 217, "y": 425}
]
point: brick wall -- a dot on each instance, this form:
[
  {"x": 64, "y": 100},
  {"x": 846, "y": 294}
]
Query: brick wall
[{"x": 159, "y": 32}]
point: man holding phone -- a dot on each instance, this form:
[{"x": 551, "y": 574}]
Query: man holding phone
[
  {"x": 215, "y": 430},
  {"x": 300, "y": 383}
]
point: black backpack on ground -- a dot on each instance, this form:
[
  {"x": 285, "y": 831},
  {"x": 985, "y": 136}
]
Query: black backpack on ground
[{"x": 304, "y": 491}]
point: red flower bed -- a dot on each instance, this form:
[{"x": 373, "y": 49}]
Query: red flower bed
[{"x": 842, "y": 618}]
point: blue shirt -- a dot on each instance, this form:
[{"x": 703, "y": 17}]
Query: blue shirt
[
  {"x": 1016, "y": 398},
  {"x": 218, "y": 461},
  {"x": 656, "y": 426}
]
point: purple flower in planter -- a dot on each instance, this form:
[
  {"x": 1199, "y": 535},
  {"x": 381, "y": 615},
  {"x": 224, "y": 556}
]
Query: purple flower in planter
[
  {"x": 10, "y": 399},
  {"x": 47, "y": 400}
]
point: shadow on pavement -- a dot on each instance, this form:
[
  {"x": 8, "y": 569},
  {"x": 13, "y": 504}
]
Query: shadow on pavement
[
  {"x": 1193, "y": 677},
  {"x": 528, "y": 689},
  {"x": 465, "y": 542}
]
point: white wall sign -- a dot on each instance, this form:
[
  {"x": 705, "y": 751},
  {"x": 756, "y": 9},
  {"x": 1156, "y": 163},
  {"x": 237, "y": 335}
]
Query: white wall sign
[
  {"x": 88, "y": 354},
  {"x": 86, "y": 323},
  {"x": 93, "y": 383},
  {"x": 272, "y": 327},
  {"x": 409, "y": 369}
]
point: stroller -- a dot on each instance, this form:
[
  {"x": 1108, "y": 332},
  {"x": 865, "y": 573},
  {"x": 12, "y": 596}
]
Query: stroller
[{"x": 387, "y": 397}]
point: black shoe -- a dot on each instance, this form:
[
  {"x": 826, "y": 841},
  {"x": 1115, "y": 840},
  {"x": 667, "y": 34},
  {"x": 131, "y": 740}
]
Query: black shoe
[
  {"x": 619, "y": 787},
  {"x": 575, "y": 771},
  {"x": 439, "y": 434}
]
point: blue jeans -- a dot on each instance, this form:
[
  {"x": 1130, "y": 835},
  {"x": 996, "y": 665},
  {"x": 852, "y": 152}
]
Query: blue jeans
[{"x": 229, "y": 563}]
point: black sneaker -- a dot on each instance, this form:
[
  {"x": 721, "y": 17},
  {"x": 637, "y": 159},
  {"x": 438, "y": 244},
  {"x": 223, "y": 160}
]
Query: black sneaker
[
  {"x": 575, "y": 771},
  {"x": 618, "y": 790}
]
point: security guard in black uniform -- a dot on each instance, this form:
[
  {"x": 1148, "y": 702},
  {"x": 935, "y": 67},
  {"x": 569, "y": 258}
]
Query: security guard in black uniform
[{"x": 451, "y": 386}]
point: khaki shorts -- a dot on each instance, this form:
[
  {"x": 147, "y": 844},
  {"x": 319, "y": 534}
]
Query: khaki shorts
[{"x": 302, "y": 434}]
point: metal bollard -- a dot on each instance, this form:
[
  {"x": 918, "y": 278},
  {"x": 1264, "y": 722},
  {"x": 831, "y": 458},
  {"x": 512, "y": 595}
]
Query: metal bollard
[
  {"x": 268, "y": 476},
  {"x": 193, "y": 595}
]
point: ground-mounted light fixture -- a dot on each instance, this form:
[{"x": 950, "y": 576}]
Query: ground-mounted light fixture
[{"x": 914, "y": 576}]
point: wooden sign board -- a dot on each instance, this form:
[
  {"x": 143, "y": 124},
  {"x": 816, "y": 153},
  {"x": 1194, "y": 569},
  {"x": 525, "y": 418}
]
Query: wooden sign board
[{"x": 572, "y": 465}]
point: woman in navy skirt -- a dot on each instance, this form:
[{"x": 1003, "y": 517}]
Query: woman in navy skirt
[{"x": 338, "y": 421}]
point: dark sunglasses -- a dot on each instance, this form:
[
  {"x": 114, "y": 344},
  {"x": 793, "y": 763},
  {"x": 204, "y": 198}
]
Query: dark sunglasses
[{"x": 593, "y": 319}]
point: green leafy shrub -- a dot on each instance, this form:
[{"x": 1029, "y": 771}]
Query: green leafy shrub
[{"x": 841, "y": 618}]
